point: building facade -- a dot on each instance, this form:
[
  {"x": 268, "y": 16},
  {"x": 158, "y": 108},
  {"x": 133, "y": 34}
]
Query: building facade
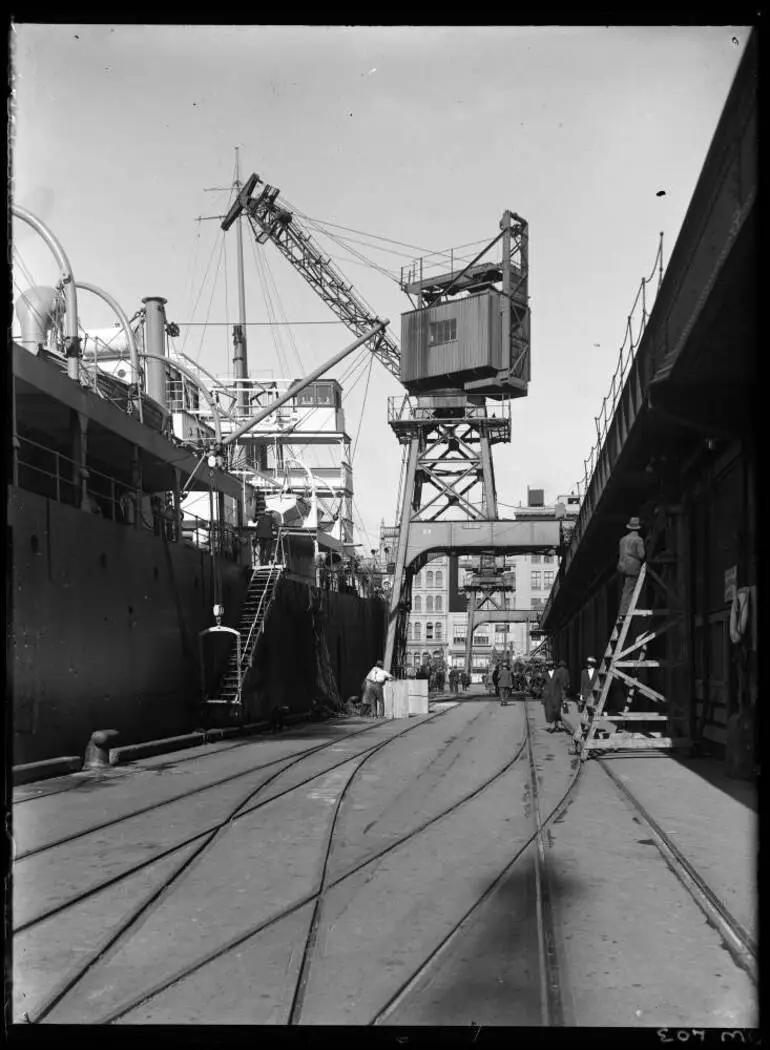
[{"x": 438, "y": 624}]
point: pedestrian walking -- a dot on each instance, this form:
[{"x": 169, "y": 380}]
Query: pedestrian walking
[
  {"x": 373, "y": 689},
  {"x": 631, "y": 555},
  {"x": 552, "y": 699},
  {"x": 586, "y": 700},
  {"x": 587, "y": 681},
  {"x": 562, "y": 674},
  {"x": 466, "y": 680},
  {"x": 496, "y": 680},
  {"x": 505, "y": 684}
]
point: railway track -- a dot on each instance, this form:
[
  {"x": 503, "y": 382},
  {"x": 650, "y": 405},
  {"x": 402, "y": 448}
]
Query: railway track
[
  {"x": 530, "y": 850},
  {"x": 203, "y": 839}
]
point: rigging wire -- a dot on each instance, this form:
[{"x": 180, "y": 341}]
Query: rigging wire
[
  {"x": 268, "y": 300},
  {"x": 282, "y": 313},
  {"x": 363, "y": 409},
  {"x": 218, "y": 243},
  {"x": 211, "y": 298},
  {"x": 379, "y": 237},
  {"x": 390, "y": 274}
]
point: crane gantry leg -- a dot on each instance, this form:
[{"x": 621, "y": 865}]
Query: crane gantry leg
[{"x": 449, "y": 459}]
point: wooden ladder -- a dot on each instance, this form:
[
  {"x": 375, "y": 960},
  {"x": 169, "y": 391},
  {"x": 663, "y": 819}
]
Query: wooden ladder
[{"x": 648, "y": 728}]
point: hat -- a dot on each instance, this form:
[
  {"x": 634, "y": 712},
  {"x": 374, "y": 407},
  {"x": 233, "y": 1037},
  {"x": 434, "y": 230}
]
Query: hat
[
  {"x": 590, "y": 660},
  {"x": 634, "y": 523},
  {"x": 562, "y": 663}
]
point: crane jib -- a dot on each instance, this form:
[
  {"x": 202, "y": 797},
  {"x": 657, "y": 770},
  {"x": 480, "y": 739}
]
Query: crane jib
[{"x": 271, "y": 221}]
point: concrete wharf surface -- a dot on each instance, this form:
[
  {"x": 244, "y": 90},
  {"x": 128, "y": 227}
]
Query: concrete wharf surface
[{"x": 457, "y": 868}]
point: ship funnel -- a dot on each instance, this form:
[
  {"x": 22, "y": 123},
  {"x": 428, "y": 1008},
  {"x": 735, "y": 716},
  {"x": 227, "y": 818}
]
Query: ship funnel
[
  {"x": 155, "y": 347},
  {"x": 35, "y": 310}
]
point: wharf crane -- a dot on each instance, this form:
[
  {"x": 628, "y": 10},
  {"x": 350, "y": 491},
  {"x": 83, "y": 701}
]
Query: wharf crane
[{"x": 466, "y": 342}]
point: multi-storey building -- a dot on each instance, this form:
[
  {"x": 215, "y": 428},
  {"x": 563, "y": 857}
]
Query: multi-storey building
[
  {"x": 427, "y": 631},
  {"x": 438, "y": 624}
]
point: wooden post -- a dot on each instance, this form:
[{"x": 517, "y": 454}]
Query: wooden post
[
  {"x": 469, "y": 635},
  {"x": 403, "y": 539}
]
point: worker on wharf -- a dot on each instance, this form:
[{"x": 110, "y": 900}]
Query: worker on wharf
[
  {"x": 562, "y": 674},
  {"x": 373, "y": 689},
  {"x": 631, "y": 556},
  {"x": 586, "y": 698},
  {"x": 496, "y": 679},
  {"x": 505, "y": 684},
  {"x": 490, "y": 679},
  {"x": 553, "y": 694}
]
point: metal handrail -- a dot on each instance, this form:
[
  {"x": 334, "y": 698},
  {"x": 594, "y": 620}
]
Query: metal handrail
[
  {"x": 626, "y": 355},
  {"x": 275, "y": 570},
  {"x": 118, "y": 490}
]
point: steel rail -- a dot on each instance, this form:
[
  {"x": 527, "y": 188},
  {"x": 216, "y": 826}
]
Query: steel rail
[
  {"x": 315, "y": 897},
  {"x": 411, "y": 982},
  {"x": 240, "y": 810},
  {"x": 737, "y": 939},
  {"x": 298, "y": 999},
  {"x": 290, "y": 761},
  {"x": 183, "y": 796}
]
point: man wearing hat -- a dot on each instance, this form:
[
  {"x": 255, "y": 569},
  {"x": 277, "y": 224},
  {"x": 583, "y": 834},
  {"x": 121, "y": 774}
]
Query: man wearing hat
[
  {"x": 587, "y": 680},
  {"x": 631, "y": 551}
]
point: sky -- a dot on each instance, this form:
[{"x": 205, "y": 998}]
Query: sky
[{"x": 423, "y": 135}]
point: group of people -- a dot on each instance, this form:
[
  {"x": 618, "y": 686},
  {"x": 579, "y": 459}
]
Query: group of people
[{"x": 458, "y": 680}]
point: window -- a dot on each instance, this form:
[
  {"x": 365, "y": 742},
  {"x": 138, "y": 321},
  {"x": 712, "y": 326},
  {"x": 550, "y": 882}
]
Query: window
[
  {"x": 323, "y": 394},
  {"x": 538, "y": 603},
  {"x": 439, "y": 578},
  {"x": 409, "y": 632},
  {"x": 535, "y": 581},
  {"x": 442, "y": 331},
  {"x": 548, "y": 558},
  {"x": 458, "y": 638},
  {"x": 535, "y": 559},
  {"x": 430, "y": 579},
  {"x": 548, "y": 579},
  {"x": 481, "y": 639},
  {"x": 439, "y": 603},
  {"x": 506, "y": 601},
  {"x": 429, "y": 603},
  {"x": 500, "y": 628},
  {"x": 438, "y": 632},
  {"x": 417, "y": 632},
  {"x": 428, "y": 632}
]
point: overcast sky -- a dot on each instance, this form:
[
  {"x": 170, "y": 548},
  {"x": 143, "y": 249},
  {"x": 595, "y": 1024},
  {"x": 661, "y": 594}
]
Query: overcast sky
[{"x": 422, "y": 135}]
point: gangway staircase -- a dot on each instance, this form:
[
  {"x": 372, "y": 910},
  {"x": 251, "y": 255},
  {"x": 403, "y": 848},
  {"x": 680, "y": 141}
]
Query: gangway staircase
[
  {"x": 655, "y": 723},
  {"x": 254, "y": 612}
]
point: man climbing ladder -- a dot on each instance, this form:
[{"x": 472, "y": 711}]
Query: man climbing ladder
[{"x": 626, "y": 654}]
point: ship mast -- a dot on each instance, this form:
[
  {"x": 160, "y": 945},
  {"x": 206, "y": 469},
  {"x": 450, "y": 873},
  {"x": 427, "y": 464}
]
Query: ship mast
[{"x": 240, "y": 356}]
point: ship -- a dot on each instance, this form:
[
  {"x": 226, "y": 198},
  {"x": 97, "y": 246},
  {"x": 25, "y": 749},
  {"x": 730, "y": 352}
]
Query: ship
[{"x": 162, "y": 577}]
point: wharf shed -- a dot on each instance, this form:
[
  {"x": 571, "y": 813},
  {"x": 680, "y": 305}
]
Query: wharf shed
[{"x": 682, "y": 436}]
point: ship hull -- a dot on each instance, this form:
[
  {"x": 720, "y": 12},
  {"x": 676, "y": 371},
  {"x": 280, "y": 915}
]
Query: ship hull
[{"x": 104, "y": 626}]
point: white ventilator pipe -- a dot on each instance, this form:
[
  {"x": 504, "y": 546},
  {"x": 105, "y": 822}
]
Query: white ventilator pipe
[
  {"x": 35, "y": 310},
  {"x": 130, "y": 338},
  {"x": 67, "y": 281}
]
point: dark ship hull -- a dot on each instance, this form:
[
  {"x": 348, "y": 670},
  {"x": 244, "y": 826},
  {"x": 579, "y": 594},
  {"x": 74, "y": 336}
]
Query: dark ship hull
[{"x": 106, "y": 610}]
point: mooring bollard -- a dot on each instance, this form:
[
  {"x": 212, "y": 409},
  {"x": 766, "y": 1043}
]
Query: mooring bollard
[{"x": 97, "y": 751}]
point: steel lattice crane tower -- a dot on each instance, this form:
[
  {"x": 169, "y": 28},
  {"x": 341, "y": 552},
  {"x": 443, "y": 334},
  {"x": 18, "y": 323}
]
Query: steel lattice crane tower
[{"x": 465, "y": 355}]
